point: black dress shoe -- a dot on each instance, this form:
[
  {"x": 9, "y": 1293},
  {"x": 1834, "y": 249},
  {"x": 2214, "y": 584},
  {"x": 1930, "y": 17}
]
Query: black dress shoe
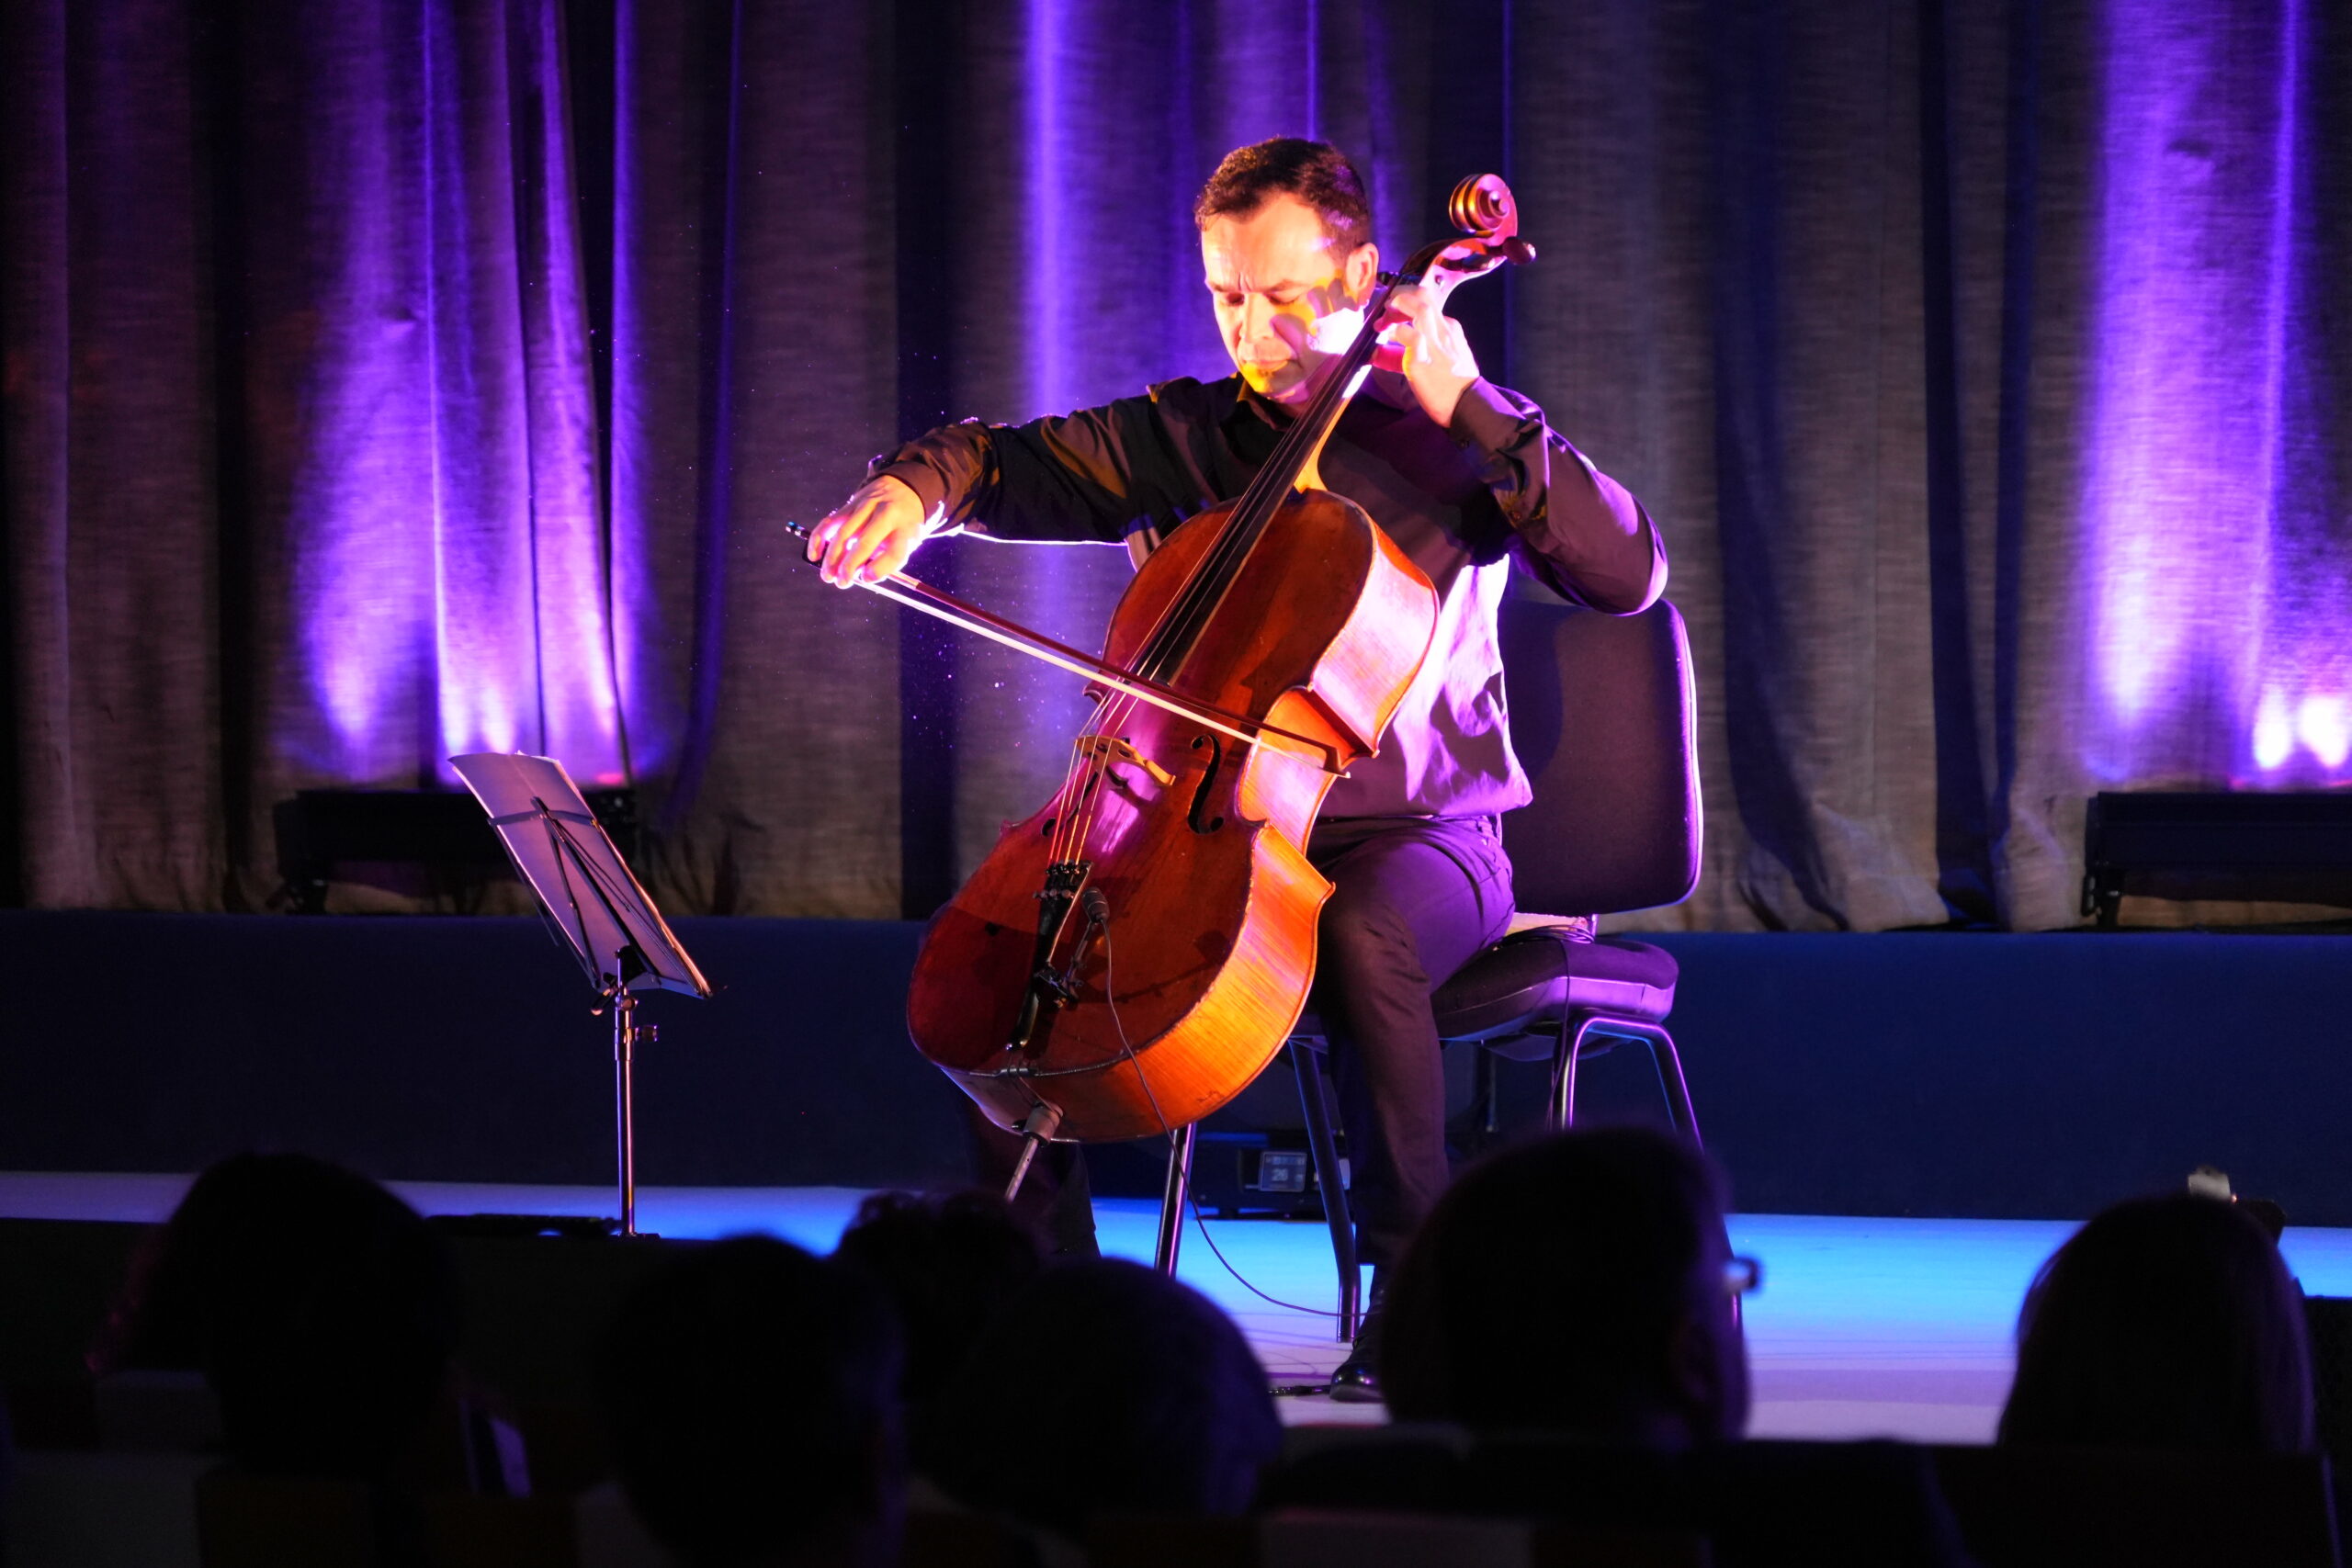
[{"x": 1357, "y": 1381}]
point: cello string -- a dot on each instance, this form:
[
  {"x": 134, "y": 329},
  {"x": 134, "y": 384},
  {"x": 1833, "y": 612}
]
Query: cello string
[
  {"x": 1178, "y": 627},
  {"x": 1321, "y": 415},
  {"x": 1181, "y": 623},
  {"x": 1088, "y": 768},
  {"x": 1117, "y": 706},
  {"x": 1183, "y": 619},
  {"x": 1083, "y": 813},
  {"x": 1072, "y": 827},
  {"x": 1268, "y": 489},
  {"x": 1256, "y": 496},
  {"x": 1261, "y": 499}
]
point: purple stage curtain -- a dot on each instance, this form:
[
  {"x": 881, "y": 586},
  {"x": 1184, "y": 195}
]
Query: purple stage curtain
[
  {"x": 302, "y": 461},
  {"x": 390, "y": 379}
]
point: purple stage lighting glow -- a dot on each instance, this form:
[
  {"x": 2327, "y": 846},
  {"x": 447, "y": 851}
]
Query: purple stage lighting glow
[
  {"x": 1053, "y": 326},
  {"x": 2216, "y": 592},
  {"x": 1049, "y": 187},
  {"x": 452, "y": 583},
  {"x": 2321, "y": 724},
  {"x": 457, "y": 586}
]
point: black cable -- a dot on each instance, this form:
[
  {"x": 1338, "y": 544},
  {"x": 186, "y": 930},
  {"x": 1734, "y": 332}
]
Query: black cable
[{"x": 1191, "y": 1200}]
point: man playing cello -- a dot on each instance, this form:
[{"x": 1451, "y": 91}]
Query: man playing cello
[{"x": 1463, "y": 476}]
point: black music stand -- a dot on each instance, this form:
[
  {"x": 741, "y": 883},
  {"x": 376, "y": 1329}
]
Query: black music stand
[{"x": 618, "y": 936}]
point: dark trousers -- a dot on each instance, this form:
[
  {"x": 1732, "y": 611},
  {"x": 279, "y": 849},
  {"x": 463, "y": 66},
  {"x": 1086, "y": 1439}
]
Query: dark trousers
[{"x": 1413, "y": 899}]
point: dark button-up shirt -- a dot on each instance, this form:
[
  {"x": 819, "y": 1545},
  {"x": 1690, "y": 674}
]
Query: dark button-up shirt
[{"x": 1496, "y": 485}]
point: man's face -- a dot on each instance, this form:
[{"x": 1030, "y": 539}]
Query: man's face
[{"x": 1286, "y": 299}]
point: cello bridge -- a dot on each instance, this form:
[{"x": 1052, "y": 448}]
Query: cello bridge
[{"x": 1118, "y": 749}]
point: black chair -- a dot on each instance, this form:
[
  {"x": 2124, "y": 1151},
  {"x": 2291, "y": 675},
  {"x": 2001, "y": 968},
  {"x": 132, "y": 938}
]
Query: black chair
[
  {"x": 1602, "y": 718},
  {"x": 1603, "y": 715}
]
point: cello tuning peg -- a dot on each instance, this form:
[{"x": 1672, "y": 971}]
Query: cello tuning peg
[{"x": 1482, "y": 205}]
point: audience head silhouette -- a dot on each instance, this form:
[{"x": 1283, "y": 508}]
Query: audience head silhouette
[
  {"x": 948, "y": 1263},
  {"x": 1575, "y": 1284},
  {"x": 323, "y": 1311},
  {"x": 2165, "y": 1323},
  {"x": 1105, "y": 1387},
  {"x": 751, "y": 1391}
]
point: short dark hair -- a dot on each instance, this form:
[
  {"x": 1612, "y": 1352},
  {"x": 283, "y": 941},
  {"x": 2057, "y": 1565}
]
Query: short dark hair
[
  {"x": 1106, "y": 1387},
  {"x": 2165, "y": 1323},
  {"x": 322, "y": 1310},
  {"x": 947, "y": 1263},
  {"x": 750, "y": 1391},
  {"x": 1545, "y": 1290},
  {"x": 1316, "y": 171}
]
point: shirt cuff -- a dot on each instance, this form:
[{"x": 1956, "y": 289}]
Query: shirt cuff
[{"x": 1483, "y": 418}]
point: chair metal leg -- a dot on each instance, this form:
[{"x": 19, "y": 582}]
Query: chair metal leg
[
  {"x": 1325, "y": 1155},
  {"x": 1666, "y": 1062},
  {"x": 1483, "y": 1098},
  {"x": 1561, "y": 1114},
  {"x": 1172, "y": 1198}
]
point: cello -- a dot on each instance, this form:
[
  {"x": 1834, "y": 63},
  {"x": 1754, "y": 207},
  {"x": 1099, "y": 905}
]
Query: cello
[{"x": 1130, "y": 956}]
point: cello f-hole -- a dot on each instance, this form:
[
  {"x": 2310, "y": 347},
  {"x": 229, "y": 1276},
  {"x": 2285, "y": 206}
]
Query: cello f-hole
[{"x": 1208, "y": 781}]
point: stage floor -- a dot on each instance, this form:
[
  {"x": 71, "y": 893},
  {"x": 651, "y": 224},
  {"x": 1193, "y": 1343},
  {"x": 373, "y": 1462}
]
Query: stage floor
[{"x": 1865, "y": 1328}]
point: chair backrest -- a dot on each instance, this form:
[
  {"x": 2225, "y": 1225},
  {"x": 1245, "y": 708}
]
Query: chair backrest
[{"x": 1602, "y": 714}]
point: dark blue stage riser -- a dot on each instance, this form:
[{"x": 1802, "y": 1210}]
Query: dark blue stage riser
[{"x": 2000, "y": 1076}]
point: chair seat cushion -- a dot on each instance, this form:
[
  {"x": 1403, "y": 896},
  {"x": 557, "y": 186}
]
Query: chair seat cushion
[{"x": 1535, "y": 977}]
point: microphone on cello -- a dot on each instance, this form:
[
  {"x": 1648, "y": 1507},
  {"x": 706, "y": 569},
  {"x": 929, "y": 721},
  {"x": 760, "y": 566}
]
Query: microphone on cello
[{"x": 1098, "y": 923}]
